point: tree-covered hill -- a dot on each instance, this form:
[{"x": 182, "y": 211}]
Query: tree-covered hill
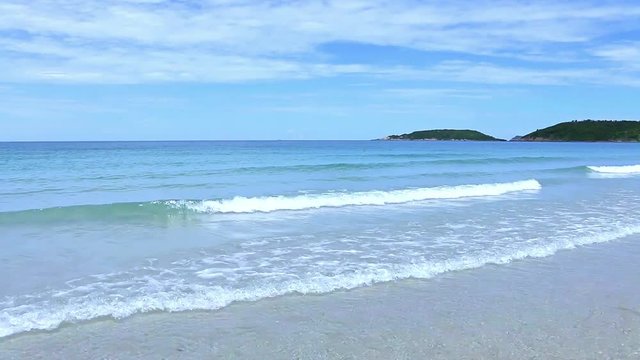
[
  {"x": 588, "y": 130},
  {"x": 444, "y": 134}
]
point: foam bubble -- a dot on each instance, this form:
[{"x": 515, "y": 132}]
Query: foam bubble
[
  {"x": 313, "y": 201},
  {"x": 173, "y": 296}
]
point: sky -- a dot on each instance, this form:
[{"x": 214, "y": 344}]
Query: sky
[{"x": 305, "y": 70}]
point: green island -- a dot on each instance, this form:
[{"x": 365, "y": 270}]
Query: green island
[
  {"x": 587, "y": 130},
  {"x": 444, "y": 134}
]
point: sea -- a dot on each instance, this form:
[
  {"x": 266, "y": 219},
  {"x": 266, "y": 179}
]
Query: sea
[{"x": 93, "y": 231}]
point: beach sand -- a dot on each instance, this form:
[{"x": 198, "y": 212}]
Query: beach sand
[{"x": 578, "y": 304}]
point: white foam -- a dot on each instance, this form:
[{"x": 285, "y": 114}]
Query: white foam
[
  {"x": 182, "y": 297},
  {"x": 625, "y": 169},
  {"x": 313, "y": 201}
]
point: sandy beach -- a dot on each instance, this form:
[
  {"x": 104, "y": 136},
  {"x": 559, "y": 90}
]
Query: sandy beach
[{"x": 578, "y": 304}]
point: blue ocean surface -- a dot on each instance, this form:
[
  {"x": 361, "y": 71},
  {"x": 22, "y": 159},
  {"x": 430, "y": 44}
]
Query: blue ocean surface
[{"x": 90, "y": 230}]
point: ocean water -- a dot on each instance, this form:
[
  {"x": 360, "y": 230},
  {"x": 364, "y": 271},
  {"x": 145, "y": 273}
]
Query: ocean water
[{"x": 111, "y": 229}]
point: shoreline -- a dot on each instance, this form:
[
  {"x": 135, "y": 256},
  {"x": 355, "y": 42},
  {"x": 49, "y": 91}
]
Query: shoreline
[{"x": 581, "y": 303}]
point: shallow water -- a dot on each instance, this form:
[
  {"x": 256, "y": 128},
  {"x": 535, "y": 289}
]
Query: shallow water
[
  {"x": 92, "y": 230},
  {"x": 578, "y": 304}
]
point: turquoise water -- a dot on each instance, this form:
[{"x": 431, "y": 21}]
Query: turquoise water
[{"x": 112, "y": 229}]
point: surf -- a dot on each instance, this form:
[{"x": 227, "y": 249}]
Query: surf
[
  {"x": 176, "y": 296},
  {"x": 623, "y": 169},
  {"x": 267, "y": 204}
]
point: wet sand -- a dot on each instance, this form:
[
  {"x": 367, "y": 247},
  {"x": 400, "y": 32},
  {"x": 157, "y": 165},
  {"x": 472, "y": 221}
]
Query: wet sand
[{"x": 578, "y": 304}]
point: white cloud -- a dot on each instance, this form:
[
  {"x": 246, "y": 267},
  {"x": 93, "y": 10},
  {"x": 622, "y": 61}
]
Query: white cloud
[
  {"x": 438, "y": 93},
  {"x": 132, "y": 41},
  {"x": 624, "y": 54},
  {"x": 487, "y": 73}
]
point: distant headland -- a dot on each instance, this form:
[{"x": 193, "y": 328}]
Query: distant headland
[
  {"x": 444, "y": 134},
  {"x": 585, "y": 130}
]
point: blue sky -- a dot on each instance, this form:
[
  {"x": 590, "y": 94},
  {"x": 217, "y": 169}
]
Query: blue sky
[{"x": 350, "y": 69}]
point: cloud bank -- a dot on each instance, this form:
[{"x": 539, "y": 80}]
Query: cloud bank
[{"x": 221, "y": 41}]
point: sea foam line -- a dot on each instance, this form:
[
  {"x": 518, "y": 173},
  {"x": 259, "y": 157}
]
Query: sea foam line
[
  {"x": 241, "y": 204},
  {"x": 185, "y": 297},
  {"x": 624, "y": 169}
]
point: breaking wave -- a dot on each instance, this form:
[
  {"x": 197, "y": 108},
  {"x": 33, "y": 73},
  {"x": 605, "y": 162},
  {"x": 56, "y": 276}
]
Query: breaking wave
[
  {"x": 241, "y": 204},
  {"x": 165, "y": 209},
  {"x": 624, "y": 169}
]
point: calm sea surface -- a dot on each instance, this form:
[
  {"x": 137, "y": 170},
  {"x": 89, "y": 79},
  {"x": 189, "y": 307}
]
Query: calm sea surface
[{"x": 111, "y": 229}]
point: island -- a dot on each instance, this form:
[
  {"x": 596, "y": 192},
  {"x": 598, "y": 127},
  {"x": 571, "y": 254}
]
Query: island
[
  {"x": 587, "y": 130},
  {"x": 444, "y": 135}
]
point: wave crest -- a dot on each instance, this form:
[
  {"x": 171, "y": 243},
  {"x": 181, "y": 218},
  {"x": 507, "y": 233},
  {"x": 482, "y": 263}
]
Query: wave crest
[
  {"x": 265, "y": 204},
  {"x": 624, "y": 169}
]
